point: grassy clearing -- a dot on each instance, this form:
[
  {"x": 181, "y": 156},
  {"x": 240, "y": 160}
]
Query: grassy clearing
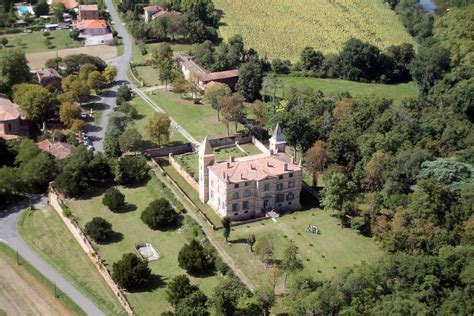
[
  {"x": 44, "y": 231},
  {"x": 327, "y": 25},
  {"x": 26, "y": 279},
  {"x": 35, "y": 42},
  {"x": 200, "y": 120},
  {"x": 144, "y": 114},
  {"x": 149, "y": 75},
  {"x": 151, "y": 301},
  {"x": 397, "y": 92}
]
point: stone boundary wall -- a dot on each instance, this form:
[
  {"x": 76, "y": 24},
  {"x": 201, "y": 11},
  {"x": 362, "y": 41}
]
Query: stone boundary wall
[
  {"x": 190, "y": 180},
  {"x": 230, "y": 140},
  {"x": 260, "y": 145},
  {"x": 165, "y": 151},
  {"x": 55, "y": 201}
]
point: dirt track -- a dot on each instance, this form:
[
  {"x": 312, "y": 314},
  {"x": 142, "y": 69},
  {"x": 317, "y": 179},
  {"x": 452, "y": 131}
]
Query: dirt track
[
  {"x": 22, "y": 294},
  {"x": 36, "y": 60}
]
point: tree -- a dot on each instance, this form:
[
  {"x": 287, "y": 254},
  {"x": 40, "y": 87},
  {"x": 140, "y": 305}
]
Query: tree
[
  {"x": 337, "y": 190},
  {"x": 401, "y": 56},
  {"x": 130, "y": 140},
  {"x": 315, "y": 159},
  {"x": 158, "y": 127},
  {"x": 232, "y": 109},
  {"x": 227, "y": 295},
  {"x": 77, "y": 126},
  {"x": 226, "y": 221},
  {"x": 265, "y": 249},
  {"x": 85, "y": 70},
  {"x": 166, "y": 72},
  {"x": 448, "y": 171},
  {"x": 131, "y": 272},
  {"x": 37, "y": 101},
  {"x": 250, "y": 80},
  {"x": 163, "y": 52},
  {"x": 194, "y": 258},
  {"x": 179, "y": 288},
  {"x": 98, "y": 229},
  {"x": 214, "y": 94},
  {"x": 4, "y": 41},
  {"x": 74, "y": 34},
  {"x": 311, "y": 59},
  {"x": 96, "y": 81},
  {"x": 374, "y": 171},
  {"x": 68, "y": 113},
  {"x": 159, "y": 214},
  {"x": 251, "y": 241},
  {"x": 110, "y": 72},
  {"x": 113, "y": 199},
  {"x": 193, "y": 304},
  {"x": 281, "y": 66},
  {"x": 130, "y": 169},
  {"x": 75, "y": 90},
  {"x": 260, "y": 119},
  {"x": 41, "y": 8},
  {"x": 265, "y": 299},
  {"x": 290, "y": 262},
  {"x": 14, "y": 69}
]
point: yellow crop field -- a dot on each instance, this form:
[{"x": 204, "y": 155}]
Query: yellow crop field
[{"x": 282, "y": 28}]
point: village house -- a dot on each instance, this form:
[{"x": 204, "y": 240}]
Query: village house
[
  {"x": 88, "y": 12},
  {"x": 248, "y": 187},
  {"x": 153, "y": 12},
  {"x": 49, "y": 76},
  {"x": 205, "y": 78},
  {"x": 57, "y": 149},
  {"x": 11, "y": 125},
  {"x": 92, "y": 27}
]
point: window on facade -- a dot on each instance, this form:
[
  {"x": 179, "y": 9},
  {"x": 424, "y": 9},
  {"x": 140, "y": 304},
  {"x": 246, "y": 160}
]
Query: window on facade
[
  {"x": 291, "y": 184},
  {"x": 246, "y": 212},
  {"x": 236, "y": 214},
  {"x": 245, "y": 205},
  {"x": 223, "y": 206},
  {"x": 290, "y": 196},
  {"x": 279, "y": 186},
  {"x": 247, "y": 184},
  {"x": 212, "y": 183},
  {"x": 280, "y": 177},
  {"x": 246, "y": 193},
  {"x": 236, "y": 185},
  {"x": 290, "y": 175},
  {"x": 235, "y": 195},
  {"x": 266, "y": 187},
  {"x": 212, "y": 194},
  {"x": 218, "y": 201},
  {"x": 235, "y": 207},
  {"x": 280, "y": 198}
]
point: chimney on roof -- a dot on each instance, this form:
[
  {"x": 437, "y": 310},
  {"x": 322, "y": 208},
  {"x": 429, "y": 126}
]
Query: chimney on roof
[
  {"x": 223, "y": 175},
  {"x": 231, "y": 159},
  {"x": 228, "y": 164},
  {"x": 268, "y": 164},
  {"x": 285, "y": 166}
]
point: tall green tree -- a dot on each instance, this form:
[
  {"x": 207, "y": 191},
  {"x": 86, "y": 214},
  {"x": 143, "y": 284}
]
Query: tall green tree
[
  {"x": 38, "y": 102},
  {"x": 14, "y": 69},
  {"x": 250, "y": 80}
]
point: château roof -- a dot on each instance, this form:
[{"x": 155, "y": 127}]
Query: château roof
[{"x": 8, "y": 109}]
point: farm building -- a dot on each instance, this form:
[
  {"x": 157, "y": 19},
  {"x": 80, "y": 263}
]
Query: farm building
[
  {"x": 48, "y": 77},
  {"x": 248, "y": 187},
  {"x": 153, "y": 12},
  {"x": 92, "y": 27},
  {"x": 58, "y": 150},
  {"x": 11, "y": 124},
  {"x": 88, "y": 12}
]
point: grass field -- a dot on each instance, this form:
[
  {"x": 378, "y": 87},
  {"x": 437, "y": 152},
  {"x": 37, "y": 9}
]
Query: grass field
[
  {"x": 199, "y": 120},
  {"x": 44, "y": 231},
  {"x": 144, "y": 114},
  {"x": 34, "y": 42},
  {"x": 151, "y": 301},
  {"x": 25, "y": 291},
  {"x": 282, "y": 28},
  {"x": 397, "y": 92},
  {"x": 149, "y": 75}
]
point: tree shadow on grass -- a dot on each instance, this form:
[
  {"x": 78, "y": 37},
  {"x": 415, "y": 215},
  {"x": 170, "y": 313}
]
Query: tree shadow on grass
[
  {"x": 238, "y": 241},
  {"x": 204, "y": 274},
  {"x": 128, "y": 207},
  {"x": 155, "y": 282},
  {"x": 115, "y": 237},
  {"x": 92, "y": 192},
  {"x": 140, "y": 183}
]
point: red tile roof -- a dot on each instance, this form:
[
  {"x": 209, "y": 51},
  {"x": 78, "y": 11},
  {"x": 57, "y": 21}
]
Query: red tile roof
[
  {"x": 220, "y": 75},
  {"x": 8, "y": 109},
  {"x": 57, "y": 149},
  {"x": 152, "y": 8},
  {"x": 91, "y": 24}
]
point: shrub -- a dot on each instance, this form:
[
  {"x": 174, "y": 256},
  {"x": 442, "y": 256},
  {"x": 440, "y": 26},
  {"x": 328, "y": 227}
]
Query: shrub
[
  {"x": 159, "y": 214},
  {"x": 194, "y": 258},
  {"x": 98, "y": 229},
  {"x": 131, "y": 272},
  {"x": 113, "y": 199},
  {"x": 179, "y": 288}
]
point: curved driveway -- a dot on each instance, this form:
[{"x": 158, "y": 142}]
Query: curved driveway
[
  {"x": 97, "y": 133},
  {"x": 10, "y": 236}
]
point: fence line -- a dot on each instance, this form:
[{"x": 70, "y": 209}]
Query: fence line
[{"x": 86, "y": 245}]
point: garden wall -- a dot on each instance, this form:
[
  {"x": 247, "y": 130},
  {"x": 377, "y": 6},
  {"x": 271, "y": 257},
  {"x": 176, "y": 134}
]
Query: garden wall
[
  {"x": 165, "y": 151},
  {"x": 86, "y": 245},
  {"x": 230, "y": 140},
  {"x": 260, "y": 145},
  {"x": 183, "y": 173}
]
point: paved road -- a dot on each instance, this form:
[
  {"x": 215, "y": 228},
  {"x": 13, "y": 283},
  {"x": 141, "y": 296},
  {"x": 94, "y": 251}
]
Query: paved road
[
  {"x": 9, "y": 235},
  {"x": 97, "y": 133}
]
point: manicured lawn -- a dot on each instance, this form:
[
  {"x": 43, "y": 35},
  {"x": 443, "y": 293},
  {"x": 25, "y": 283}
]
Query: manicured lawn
[
  {"x": 27, "y": 289},
  {"x": 34, "y": 42},
  {"x": 152, "y": 300},
  {"x": 396, "y": 92},
  {"x": 149, "y": 75},
  {"x": 198, "y": 119},
  {"x": 251, "y": 149},
  {"x": 44, "y": 231},
  {"x": 144, "y": 114}
]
